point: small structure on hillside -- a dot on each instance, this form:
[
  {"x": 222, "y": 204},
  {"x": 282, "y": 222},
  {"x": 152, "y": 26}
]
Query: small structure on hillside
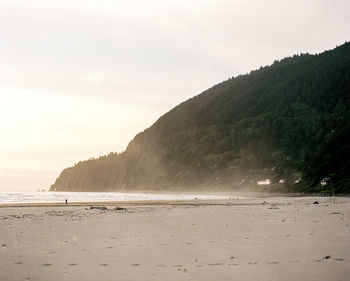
[
  {"x": 265, "y": 182},
  {"x": 326, "y": 181},
  {"x": 297, "y": 181}
]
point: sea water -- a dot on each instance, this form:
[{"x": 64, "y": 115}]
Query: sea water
[{"x": 56, "y": 197}]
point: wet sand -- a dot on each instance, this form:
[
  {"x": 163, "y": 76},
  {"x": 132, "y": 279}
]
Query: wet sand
[{"x": 286, "y": 238}]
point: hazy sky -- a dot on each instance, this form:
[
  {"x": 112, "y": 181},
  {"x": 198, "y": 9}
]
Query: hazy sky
[{"x": 80, "y": 78}]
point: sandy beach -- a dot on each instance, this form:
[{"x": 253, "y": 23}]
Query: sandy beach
[{"x": 280, "y": 238}]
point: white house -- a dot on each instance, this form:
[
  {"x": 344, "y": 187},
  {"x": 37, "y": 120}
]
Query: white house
[{"x": 265, "y": 182}]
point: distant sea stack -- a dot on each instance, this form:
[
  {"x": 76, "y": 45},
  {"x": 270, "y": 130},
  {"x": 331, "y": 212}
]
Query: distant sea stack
[{"x": 286, "y": 125}]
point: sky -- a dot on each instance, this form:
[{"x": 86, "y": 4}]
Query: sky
[{"x": 80, "y": 78}]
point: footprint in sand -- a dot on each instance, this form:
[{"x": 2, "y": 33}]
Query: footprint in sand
[
  {"x": 103, "y": 264},
  {"x": 218, "y": 263},
  {"x": 184, "y": 270},
  {"x": 134, "y": 264},
  {"x": 273, "y": 262},
  {"x": 46, "y": 264},
  {"x": 72, "y": 264},
  {"x": 19, "y": 262}
]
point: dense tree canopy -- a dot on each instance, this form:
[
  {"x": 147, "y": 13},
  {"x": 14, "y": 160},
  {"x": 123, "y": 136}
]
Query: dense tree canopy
[{"x": 289, "y": 121}]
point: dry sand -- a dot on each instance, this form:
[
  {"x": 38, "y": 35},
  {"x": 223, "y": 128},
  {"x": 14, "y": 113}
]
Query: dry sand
[{"x": 251, "y": 239}]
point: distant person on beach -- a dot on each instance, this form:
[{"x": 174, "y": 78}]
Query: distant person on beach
[{"x": 66, "y": 201}]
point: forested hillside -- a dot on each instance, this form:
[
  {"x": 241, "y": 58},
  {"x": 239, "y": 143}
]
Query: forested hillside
[{"x": 289, "y": 121}]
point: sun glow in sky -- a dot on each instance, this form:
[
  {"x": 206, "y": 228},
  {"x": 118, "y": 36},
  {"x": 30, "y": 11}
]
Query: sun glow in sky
[
  {"x": 43, "y": 131},
  {"x": 35, "y": 123},
  {"x": 81, "y": 78}
]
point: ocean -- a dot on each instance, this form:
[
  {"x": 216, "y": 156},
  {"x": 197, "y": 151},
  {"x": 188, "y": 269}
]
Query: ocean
[{"x": 59, "y": 197}]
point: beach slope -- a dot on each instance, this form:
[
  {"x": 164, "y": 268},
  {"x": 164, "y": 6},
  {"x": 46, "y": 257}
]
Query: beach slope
[{"x": 286, "y": 238}]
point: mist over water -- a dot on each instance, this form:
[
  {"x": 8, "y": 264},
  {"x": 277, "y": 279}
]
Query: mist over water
[{"x": 57, "y": 197}]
